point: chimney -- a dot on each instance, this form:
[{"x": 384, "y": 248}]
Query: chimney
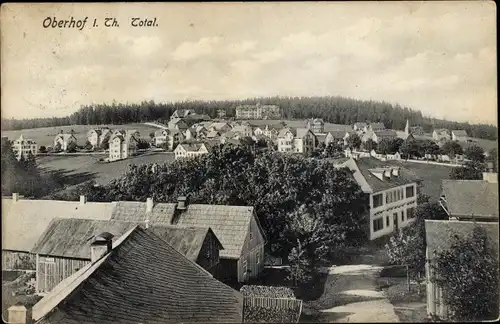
[
  {"x": 395, "y": 172},
  {"x": 149, "y": 205},
  {"x": 103, "y": 244},
  {"x": 387, "y": 173},
  {"x": 181, "y": 203},
  {"x": 16, "y": 314},
  {"x": 15, "y": 196},
  {"x": 83, "y": 200}
]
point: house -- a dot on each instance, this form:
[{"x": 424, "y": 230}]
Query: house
[
  {"x": 220, "y": 127},
  {"x": 316, "y": 125},
  {"x": 339, "y": 137},
  {"x": 459, "y": 135},
  {"x": 221, "y": 113},
  {"x": 189, "y": 150},
  {"x": 201, "y": 131},
  {"x": 375, "y": 127},
  {"x": 65, "y": 246},
  {"x": 258, "y": 111},
  {"x": 177, "y": 123},
  {"x": 471, "y": 199},
  {"x": 122, "y": 145},
  {"x": 440, "y": 135},
  {"x": 18, "y": 215},
  {"x": 116, "y": 287},
  {"x": 244, "y": 130},
  {"x": 168, "y": 138},
  {"x": 417, "y": 130},
  {"x": 391, "y": 190},
  {"x": 439, "y": 236},
  {"x": 359, "y": 127},
  {"x": 181, "y": 113},
  {"x": 98, "y": 136},
  {"x": 272, "y": 131},
  {"x": 383, "y": 134},
  {"x": 24, "y": 147},
  {"x": 62, "y": 140},
  {"x": 300, "y": 140},
  {"x": 236, "y": 227},
  {"x": 213, "y": 134}
]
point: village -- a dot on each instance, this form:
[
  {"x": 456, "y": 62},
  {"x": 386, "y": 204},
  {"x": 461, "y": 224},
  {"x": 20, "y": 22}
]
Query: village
[{"x": 70, "y": 244}]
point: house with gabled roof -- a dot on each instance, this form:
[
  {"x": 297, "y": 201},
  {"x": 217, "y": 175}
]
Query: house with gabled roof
[
  {"x": 139, "y": 279},
  {"x": 439, "y": 237},
  {"x": 64, "y": 247},
  {"x": 339, "y": 137},
  {"x": 168, "y": 138},
  {"x": 316, "y": 125},
  {"x": 98, "y": 136},
  {"x": 190, "y": 149},
  {"x": 459, "y": 135},
  {"x": 237, "y": 228},
  {"x": 375, "y": 127},
  {"x": 123, "y": 144},
  {"x": 470, "y": 199},
  {"x": 299, "y": 140},
  {"x": 62, "y": 140},
  {"x": 178, "y": 123},
  {"x": 440, "y": 135},
  {"x": 20, "y": 214},
  {"x": 391, "y": 191},
  {"x": 23, "y": 147},
  {"x": 359, "y": 126},
  {"x": 220, "y": 127},
  {"x": 383, "y": 134},
  {"x": 182, "y": 113}
]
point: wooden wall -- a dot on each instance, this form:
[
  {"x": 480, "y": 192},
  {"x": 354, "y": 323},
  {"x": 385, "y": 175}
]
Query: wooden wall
[
  {"x": 52, "y": 270},
  {"x": 211, "y": 247},
  {"x": 14, "y": 260}
]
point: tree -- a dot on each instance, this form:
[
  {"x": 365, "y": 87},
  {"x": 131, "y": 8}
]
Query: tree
[
  {"x": 142, "y": 144},
  {"x": 474, "y": 153},
  {"x": 88, "y": 145},
  {"x": 370, "y": 145},
  {"x": 57, "y": 147},
  {"x": 452, "y": 148},
  {"x": 469, "y": 171},
  {"x": 468, "y": 274},
  {"x": 411, "y": 148},
  {"x": 152, "y": 135},
  {"x": 353, "y": 141},
  {"x": 333, "y": 149},
  {"x": 42, "y": 149},
  {"x": 71, "y": 148}
]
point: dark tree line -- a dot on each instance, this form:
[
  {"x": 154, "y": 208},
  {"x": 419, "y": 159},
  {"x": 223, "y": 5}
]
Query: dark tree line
[{"x": 337, "y": 110}]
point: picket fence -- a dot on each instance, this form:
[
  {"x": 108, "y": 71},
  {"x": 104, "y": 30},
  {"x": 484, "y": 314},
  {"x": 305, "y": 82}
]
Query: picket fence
[{"x": 279, "y": 303}]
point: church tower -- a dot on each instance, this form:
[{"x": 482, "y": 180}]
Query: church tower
[{"x": 407, "y": 128}]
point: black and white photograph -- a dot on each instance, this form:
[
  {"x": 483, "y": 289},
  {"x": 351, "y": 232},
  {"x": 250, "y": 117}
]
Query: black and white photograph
[{"x": 249, "y": 162}]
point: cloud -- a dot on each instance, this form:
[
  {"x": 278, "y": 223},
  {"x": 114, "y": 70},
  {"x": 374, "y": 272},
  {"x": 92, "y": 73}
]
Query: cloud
[
  {"x": 268, "y": 56},
  {"x": 190, "y": 50},
  {"x": 241, "y": 47}
]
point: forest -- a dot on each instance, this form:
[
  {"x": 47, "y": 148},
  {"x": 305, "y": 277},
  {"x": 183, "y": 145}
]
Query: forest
[{"x": 333, "y": 109}]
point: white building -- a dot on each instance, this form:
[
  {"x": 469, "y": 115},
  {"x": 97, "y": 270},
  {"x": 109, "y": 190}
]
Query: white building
[
  {"x": 63, "y": 140},
  {"x": 168, "y": 137},
  {"x": 441, "y": 135},
  {"x": 258, "y": 111},
  {"x": 300, "y": 140},
  {"x": 459, "y": 135},
  {"x": 316, "y": 125},
  {"x": 122, "y": 145},
  {"x": 98, "y": 136},
  {"x": 392, "y": 193},
  {"x": 190, "y": 150},
  {"x": 23, "y": 147}
]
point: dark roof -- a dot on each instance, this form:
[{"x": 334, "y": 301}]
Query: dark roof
[
  {"x": 72, "y": 237},
  {"x": 439, "y": 234},
  {"x": 375, "y": 126},
  {"x": 142, "y": 280},
  {"x": 386, "y": 133},
  {"x": 471, "y": 197},
  {"x": 337, "y": 134},
  {"x": 188, "y": 240},
  {"x": 367, "y": 164},
  {"x": 229, "y": 223},
  {"x": 459, "y": 132}
]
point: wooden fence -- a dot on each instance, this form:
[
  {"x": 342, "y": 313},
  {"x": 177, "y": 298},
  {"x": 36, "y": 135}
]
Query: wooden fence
[{"x": 267, "y": 302}]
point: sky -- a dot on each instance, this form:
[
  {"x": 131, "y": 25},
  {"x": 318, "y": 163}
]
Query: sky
[{"x": 437, "y": 57}]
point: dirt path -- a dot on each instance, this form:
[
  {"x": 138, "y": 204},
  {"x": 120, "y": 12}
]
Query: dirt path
[{"x": 350, "y": 295}]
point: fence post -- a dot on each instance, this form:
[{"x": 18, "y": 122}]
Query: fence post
[{"x": 408, "y": 278}]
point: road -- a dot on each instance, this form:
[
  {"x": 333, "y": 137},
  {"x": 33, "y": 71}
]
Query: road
[{"x": 350, "y": 295}]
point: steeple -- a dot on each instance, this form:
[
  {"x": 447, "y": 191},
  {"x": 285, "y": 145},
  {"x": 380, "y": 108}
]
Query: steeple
[{"x": 407, "y": 128}]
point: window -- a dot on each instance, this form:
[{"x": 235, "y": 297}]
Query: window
[
  {"x": 378, "y": 224},
  {"x": 257, "y": 256},
  {"x": 410, "y": 212},
  {"x": 387, "y": 221},
  {"x": 251, "y": 236},
  {"x": 410, "y": 191},
  {"x": 377, "y": 201},
  {"x": 402, "y": 215}
]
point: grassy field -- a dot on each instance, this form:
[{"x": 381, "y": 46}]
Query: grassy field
[
  {"x": 80, "y": 168},
  {"x": 45, "y": 136}
]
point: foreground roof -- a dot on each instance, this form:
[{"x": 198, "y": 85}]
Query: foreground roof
[
  {"x": 439, "y": 234},
  {"x": 36, "y": 215},
  {"x": 471, "y": 198},
  {"x": 117, "y": 289},
  {"x": 229, "y": 223}
]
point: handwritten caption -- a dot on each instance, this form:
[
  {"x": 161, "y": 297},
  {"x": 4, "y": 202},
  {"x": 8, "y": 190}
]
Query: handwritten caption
[{"x": 53, "y": 22}]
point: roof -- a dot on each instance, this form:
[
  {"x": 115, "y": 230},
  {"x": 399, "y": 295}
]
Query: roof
[
  {"x": 337, "y": 134},
  {"x": 374, "y": 126},
  {"x": 471, "y": 197},
  {"x": 459, "y": 132},
  {"x": 363, "y": 174},
  {"x": 301, "y": 132},
  {"x": 386, "y": 133},
  {"x": 360, "y": 124},
  {"x": 439, "y": 234},
  {"x": 192, "y": 146},
  {"x": 321, "y": 137},
  {"x": 117, "y": 289},
  {"x": 36, "y": 215},
  {"x": 229, "y": 223},
  {"x": 442, "y": 130},
  {"x": 282, "y": 133},
  {"x": 65, "y": 137}
]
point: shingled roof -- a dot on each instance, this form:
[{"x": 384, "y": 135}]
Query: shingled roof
[
  {"x": 439, "y": 234},
  {"x": 35, "y": 215},
  {"x": 117, "y": 289},
  {"x": 471, "y": 198},
  {"x": 229, "y": 223}
]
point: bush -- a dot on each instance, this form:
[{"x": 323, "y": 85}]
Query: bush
[
  {"x": 267, "y": 291},
  {"x": 256, "y": 314},
  {"x": 42, "y": 149},
  {"x": 71, "y": 148}
]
